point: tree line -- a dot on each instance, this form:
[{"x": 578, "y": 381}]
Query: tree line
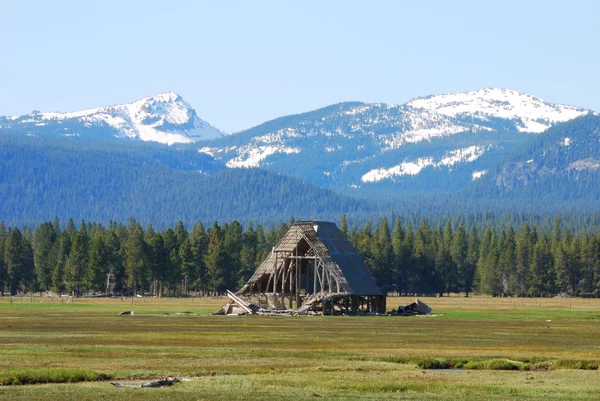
[{"x": 129, "y": 259}]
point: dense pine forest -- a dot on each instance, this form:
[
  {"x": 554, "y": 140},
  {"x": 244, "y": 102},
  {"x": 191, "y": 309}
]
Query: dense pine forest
[{"x": 421, "y": 257}]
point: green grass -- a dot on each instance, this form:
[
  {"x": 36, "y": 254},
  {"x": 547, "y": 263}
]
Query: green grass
[
  {"x": 496, "y": 349},
  {"x": 22, "y": 376}
]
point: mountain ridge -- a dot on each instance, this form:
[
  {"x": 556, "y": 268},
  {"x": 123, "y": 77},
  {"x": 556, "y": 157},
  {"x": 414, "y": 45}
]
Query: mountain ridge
[
  {"x": 435, "y": 143},
  {"x": 164, "y": 118}
]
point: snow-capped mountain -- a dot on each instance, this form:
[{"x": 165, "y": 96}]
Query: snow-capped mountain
[
  {"x": 529, "y": 113},
  {"x": 164, "y": 118},
  {"x": 448, "y": 140},
  {"x": 440, "y": 142}
]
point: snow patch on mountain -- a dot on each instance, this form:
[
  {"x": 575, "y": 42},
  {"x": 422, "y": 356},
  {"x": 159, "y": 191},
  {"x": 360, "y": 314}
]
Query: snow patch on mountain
[
  {"x": 463, "y": 155},
  {"x": 534, "y": 114},
  {"x": 252, "y": 156},
  {"x": 478, "y": 174}
]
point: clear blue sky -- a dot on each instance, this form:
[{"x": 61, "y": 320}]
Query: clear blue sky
[{"x": 240, "y": 63}]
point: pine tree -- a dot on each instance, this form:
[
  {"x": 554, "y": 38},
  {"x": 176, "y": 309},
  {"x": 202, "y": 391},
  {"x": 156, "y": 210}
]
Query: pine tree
[
  {"x": 181, "y": 233},
  {"x": 96, "y": 275},
  {"x": 77, "y": 264},
  {"x": 136, "y": 257},
  {"x": 70, "y": 228},
  {"x": 18, "y": 259},
  {"x": 383, "y": 254},
  {"x": 459, "y": 250},
  {"x": 468, "y": 273},
  {"x": 561, "y": 268},
  {"x": 541, "y": 270},
  {"x": 423, "y": 256},
  {"x": 3, "y": 274},
  {"x": 171, "y": 271},
  {"x": 232, "y": 246},
  {"x": 344, "y": 225},
  {"x": 215, "y": 261},
  {"x": 484, "y": 250},
  {"x": 158, "y": 263},
  {"x": 186, "y": 256},
  {"x": 574, "y": 266},
  {"x": 408, "y": 245},
  {"x": 44, "y": 237},
  {"x": 248, "y": 255},
  {"x": 523, "y": 255},
  {"x": 399, "y": 270},
  {"x": 56, "y": 225},
  {"x": 59, "y": 273},
  {"x": 199, "y": 243}
]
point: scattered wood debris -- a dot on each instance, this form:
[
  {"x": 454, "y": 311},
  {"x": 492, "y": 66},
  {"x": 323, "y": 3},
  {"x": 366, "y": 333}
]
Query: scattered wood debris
[
  {"x": 319, "y": 304},
  {"x": 415, "y": 308},
  {"x": 181, "y": 314},
  {"x": 169, "y": 381}
]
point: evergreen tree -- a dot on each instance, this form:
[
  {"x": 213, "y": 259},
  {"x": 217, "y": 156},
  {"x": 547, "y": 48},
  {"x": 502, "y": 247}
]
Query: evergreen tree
[
  {"x": 59, "y": 273},
  {"x": 172, "y": 274},
  {"x": 56, "y": 225},
  {"x": 383, "y": 257},
  {"x": 3, "y": 275},
  {"x": 97, "y": 272},
  {"x": 459, "y": 251},
  {"x": 70, "y": 228},
  {"x": 77, "y": 263},
  {"x": 344, "y": 225},
  {"x": 248, "y": 255},
  {"x": 158, "y": 263},
  {"x": 232, "y": 247},
  {"x": 18, "y": 259},
  {"x": 523, "y": 255},
  {"x": 188, "y": 270},
  {"x": 215, "y": 261},
  {"x": 199, "y": 243},
  {"x": 399, "y": 268},
  {"x": 541, "y": 276},
  {"x": 136, "y": 257},
  {"x": 468, "y": 273}
]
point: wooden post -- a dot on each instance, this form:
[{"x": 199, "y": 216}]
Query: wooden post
[
  {"x": 297, "y": 280},
  {"x": 315, "y": 272}
]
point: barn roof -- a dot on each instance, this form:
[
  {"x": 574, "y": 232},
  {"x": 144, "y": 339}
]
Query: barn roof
[{"x": 343, "y": 263}]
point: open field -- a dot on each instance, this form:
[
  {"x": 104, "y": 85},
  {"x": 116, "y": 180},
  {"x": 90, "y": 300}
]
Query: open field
[{"x": 268, "y": 358}]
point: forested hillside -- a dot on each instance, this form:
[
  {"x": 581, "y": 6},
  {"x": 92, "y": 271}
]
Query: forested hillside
[
  {"x": 100, "y": 182},
  {"x": 563, "y": 164},
  {"x": 403, "y": 258}
]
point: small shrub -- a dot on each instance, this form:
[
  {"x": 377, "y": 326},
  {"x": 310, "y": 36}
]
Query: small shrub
[
  {"x": 544, "y": 365},
  {"x": 12, "y": 377},
  {"x": 587, "y": 365},
  {"x": 432, "y": 363}
]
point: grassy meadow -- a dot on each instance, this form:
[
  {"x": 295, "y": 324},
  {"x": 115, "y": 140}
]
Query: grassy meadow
[{"x": 496, "y": 349}]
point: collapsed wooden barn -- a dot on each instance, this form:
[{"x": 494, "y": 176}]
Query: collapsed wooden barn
[{"x": 313, "y": 268}]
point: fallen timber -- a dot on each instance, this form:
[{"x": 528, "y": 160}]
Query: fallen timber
[
  {"x": 327, "y": 304},
  {"x": 169, "y": 381}
]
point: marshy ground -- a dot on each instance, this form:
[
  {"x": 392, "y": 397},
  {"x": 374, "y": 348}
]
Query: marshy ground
[{"x": 521, "y": 349}]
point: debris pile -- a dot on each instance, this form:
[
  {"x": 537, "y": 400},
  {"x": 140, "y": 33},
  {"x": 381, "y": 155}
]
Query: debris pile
[
  {"x": 169, "y": 381},
  {"x": 415, "y": 308},
  {"x": 319, "y": 304}
]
